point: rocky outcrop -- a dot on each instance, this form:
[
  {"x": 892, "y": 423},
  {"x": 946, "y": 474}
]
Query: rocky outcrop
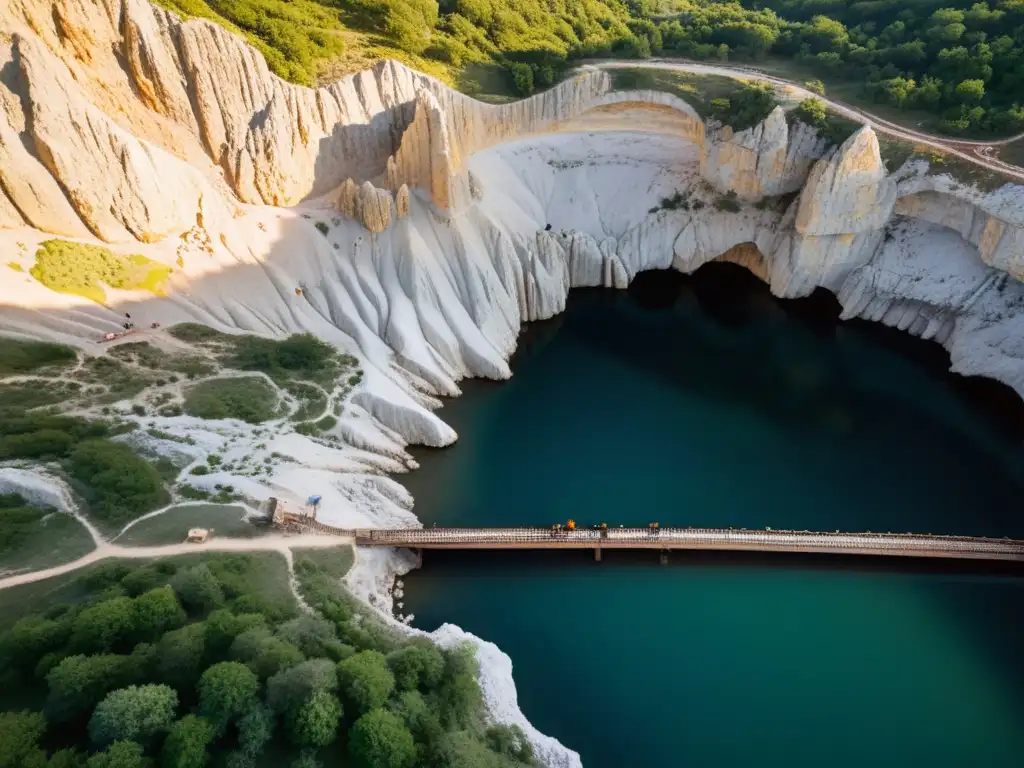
[
  {"x": 848, "y": 191},
  {"x": 370, "y": 206},
  {"x": 766, "y": 160},
  {"x": 427, "y": 160}
]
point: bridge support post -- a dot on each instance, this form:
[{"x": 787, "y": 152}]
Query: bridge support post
[
  {"x": 597, "y": 554},
  {"x": 664, "y": 557}
]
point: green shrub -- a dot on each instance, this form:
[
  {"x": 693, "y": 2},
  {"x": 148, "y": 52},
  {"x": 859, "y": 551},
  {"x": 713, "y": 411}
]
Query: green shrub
[
  {"x": 301, "y": 356},
  {"x": 192, "y": 493},
  {"x": 196, "y": 333},
  {"x": 200, "y": 469},
  {"x": 728, "y": 202},
  {"x": 81, "y": 270},
  {"x": 324, "y": 229},
  {"x": 118, "y": 485},
  {"x": 311, "y": 400},
  {"x": 326, "y": 423},
  {"x": 248, "y": 398},
  {"x": 18, "y": 521},
  {"x": 17, "y": 356}
]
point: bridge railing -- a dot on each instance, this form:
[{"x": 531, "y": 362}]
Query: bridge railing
[{"x": 412, "y": 537}]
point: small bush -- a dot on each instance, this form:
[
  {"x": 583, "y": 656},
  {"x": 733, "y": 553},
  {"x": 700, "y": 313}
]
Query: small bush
[
  {"x": 326, "y": 423},
  {"x": 192, "y": 493},
  {"x": 324, "y": 229},
  {"x": 728, "y": 202},
  {"x": 199, "y": 469}
]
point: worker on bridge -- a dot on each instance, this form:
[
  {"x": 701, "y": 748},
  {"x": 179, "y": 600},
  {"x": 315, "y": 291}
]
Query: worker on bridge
[{"x": 653, "y": 529}]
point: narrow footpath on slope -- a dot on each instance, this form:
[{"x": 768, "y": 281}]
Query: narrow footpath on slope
[{"x": 104, "y": 550}]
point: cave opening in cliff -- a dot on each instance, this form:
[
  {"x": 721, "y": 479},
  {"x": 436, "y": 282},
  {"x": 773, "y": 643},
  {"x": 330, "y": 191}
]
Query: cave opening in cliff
[{"x": 715, "y": 286}]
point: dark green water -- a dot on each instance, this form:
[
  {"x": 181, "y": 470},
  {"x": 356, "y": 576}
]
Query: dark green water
[{"x": 702, "y": 401}]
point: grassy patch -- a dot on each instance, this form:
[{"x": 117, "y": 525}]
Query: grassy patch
[
  {"x": 313, "y": 428},
  {"x": 712, "y": 96},
  {"x": 144, "y": 354},
  {"x": 82, "y": 270},
  {"x": 895, "y": 153},
  {"x": 196, "y": 333},
  {"x": 300, "y": 357},
  {"x": 20, "y": 357},
  {"x": 32, "y": 538},
  {"x": 35, "y": 394},
  {"x": 1013, "y": 153},
  {"x": 311, "y": 400},
  {"x": 248, "y": 398},
  {"x": 172, "y": 526},
  {"x": 121, "y": 381}
]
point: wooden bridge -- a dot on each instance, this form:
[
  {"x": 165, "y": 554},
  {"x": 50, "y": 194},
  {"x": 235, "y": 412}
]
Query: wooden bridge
[{"x": 668, "y": 539}]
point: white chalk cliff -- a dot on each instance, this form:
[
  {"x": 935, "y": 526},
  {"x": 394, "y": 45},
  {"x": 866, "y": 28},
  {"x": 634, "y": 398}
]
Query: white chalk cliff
[{"x": 406, "y": 222}]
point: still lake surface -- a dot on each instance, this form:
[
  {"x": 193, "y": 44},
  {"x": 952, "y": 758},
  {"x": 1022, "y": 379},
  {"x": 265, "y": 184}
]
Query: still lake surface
[{"x": 703, "y": 401}]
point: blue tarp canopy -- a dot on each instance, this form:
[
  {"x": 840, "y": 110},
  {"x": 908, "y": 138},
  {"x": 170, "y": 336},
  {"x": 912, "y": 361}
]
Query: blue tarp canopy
[{"x": 313, "y": 500}]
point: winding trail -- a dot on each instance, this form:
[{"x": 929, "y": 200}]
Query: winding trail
[
  {"x": 977, "y": 152},
  {"x": 104, "y": 550}
]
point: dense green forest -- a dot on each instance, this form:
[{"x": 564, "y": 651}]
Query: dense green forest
[
  {"x": 208, "y": 660},
  {"x": 958, "y": 60}
]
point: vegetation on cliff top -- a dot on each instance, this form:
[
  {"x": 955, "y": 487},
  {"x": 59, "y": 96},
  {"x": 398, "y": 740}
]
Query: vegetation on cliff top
[{"x": 958, "y": 65}]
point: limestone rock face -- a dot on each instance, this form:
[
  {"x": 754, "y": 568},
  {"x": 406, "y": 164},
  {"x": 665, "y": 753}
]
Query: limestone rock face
[
  {"x": 369, "y": 205},
  {"x": 997, "y": 231},
  {"x": 426, "y": 158},
  {"x": 120, "y": 187},
  {"x": 32, "y": 191},
  {"x": 847, "y": 192},
  {"x": 402, "y": 200},
  {"x": 763, "y": 161}
]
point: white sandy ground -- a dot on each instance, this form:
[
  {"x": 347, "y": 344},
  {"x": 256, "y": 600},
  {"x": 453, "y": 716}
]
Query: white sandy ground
[{"x": 436, "y": 298}]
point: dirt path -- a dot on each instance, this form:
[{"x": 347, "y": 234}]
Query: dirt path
[
  {"x": 977, "y": 152},
  {"x": 104, "y": 550}
]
